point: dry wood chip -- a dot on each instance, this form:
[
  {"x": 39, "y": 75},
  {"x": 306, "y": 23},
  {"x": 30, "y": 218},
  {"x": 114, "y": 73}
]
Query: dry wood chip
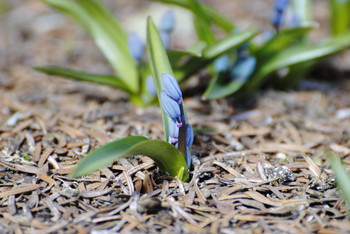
[
  {"x": 64, "y": 171},
  {"x": 252, "y": 203},
  {"x": 276, "y": 147},
  {"x": 227, "y": 168},
  {"x": 37, "y": 152},
  {"x": 261, "y": 198},
  {"x": 23, "y": 168},
  {"x": 47, "y": 179},
  {"x": 20, "y": 190},
  {"x": 108, "y": 218},
  {"x": 91, "y": 194},
  {"x": 200, "y": 195},
  {"x": 71, "y": 131},
  {"x": 22, "y": 126},
  {"x": 99, "y": 136},
  {"x": 44, "y": 156}
]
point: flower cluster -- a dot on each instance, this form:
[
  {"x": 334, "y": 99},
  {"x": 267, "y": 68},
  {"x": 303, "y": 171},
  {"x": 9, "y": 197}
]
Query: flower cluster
[{"x": 180, "y": 132}]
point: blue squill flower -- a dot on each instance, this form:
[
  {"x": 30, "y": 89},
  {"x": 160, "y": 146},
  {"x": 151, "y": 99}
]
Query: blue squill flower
[
  {"x": 180, "y": 132},
  {"x": 136, "y": 46},
  {"x": 277, "y": 17},
  {"x": 172, "y": 88},
  {"x": 222, "y": 64},
  {"x": 171, "y": 108},
  {"x": 243, "y": 67},
  {"x": 167, "y": 22}
]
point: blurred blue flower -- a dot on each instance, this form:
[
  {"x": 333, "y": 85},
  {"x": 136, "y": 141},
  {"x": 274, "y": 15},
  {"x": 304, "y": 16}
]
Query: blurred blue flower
[
  {"x": 277, "y": 17},
  {"x": 165, "y": 39},
  {"x": 222, "y": 64},
  {"x": 243, "y": 67},
  {"x": 167, "y": 22},
  {"x": 136, "y": 46}
]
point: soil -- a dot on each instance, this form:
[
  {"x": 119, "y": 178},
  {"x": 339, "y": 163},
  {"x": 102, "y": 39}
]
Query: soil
[{"x": 261, "y": 169}]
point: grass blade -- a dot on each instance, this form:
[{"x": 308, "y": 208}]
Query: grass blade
[
  {"x": 111, "y": 81},
  {"x": 159, "y": 64},
  {"x": 166, "y": 156},
  {"x": 341, "y": 175}
]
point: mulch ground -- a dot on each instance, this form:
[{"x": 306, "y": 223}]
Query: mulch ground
[{"x": 259, "y": 170}]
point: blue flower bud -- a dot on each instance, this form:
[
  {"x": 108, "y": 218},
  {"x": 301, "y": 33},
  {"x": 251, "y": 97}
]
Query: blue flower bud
[
  {"x": 167, "y": 22},
  {"x": 135, "y": 46},
  {"x": 151, "y": 88},
  {"x": 222, "y": 63},
  {"x": 173, "y": 133},
  {"x": 165, "y": 39},
  {"x": 171, "y": 107},
  {"x": 280, "y": 5},
  {"x": 171, "y": 88},
  {"x": 244, "y": 68},
  {"x": 277, "y": 17},
  {"x": 188, "y": 156},
  {"x": 189, "y": 135}
]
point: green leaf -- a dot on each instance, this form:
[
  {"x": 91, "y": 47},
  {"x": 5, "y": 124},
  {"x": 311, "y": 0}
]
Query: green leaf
[
  {"x": 217, "y": 90},
  {"x": 166, "y": 156},
  {"x": 107, "y": 33},
  {"x": 212, "y": 52},
  {"x": 295, "y": 55},
  {"x": 340, "y": 16},
  {"x": 302, "y": 9},
  {"x": 82, "y": 76},
  {"x": 201, "y": 22},
  {"x": 226, "y": 44},
  {"x": 213, "y": 16},
  {"x": 159, "y": 64},
  {"x": 341, "y": 175},
  {"x": 280, "y": 41}
]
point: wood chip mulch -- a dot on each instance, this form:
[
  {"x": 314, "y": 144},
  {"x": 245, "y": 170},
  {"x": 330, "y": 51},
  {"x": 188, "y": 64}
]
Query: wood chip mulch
[{"x": 260, "y": 170}]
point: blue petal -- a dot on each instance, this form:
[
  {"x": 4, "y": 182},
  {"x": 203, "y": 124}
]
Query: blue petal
[
  {"x": 244, "y": 68},
  {"x": 167, "y": 22},
  {"x": 188, "y": 156},
  {"x": 222, "y": 63},
  {"x": 135, "y": 46},
  {"x": 189, "y": 135},
  {"x": 173, "y": 130},
  {"x": 171, "y": 107},
  {"x": 171, "y": 87}
]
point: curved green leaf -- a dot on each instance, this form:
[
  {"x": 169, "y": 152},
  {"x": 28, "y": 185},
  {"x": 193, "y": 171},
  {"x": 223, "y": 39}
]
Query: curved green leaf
[
  {"x": 216, "y": 90},
  {"x": 212, "y": 52},
  {"x": 111, "y": 81},
  {"x": 107, "y": 33},
  {"x": 280, "y": 41},
  {"x": 295, "y": 55},
  {"x": 166, "y": 156},
  {"x": 159, "y": 64}
]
